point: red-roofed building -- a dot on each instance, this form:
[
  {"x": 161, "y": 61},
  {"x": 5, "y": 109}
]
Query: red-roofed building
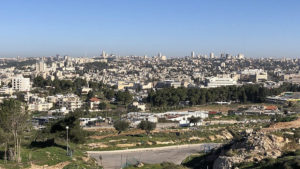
[
  {"x": 94, "y": 103},
  {"x": 271, "y": 108},
  {"x": 94, "y": 99}
]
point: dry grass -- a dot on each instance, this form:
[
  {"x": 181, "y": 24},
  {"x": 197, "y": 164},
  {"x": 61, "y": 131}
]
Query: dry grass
[{"x": 282, "y": 125}]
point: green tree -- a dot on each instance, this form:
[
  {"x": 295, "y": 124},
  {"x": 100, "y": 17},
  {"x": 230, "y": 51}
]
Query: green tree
[
  {"x": 102, "y": 106},
  {"x": 243, "y": 97},
  {"x": 57, "y": 129},
  {"x": 194, "y": 120},
  {"x": 124, "y": 97},
  {"x": 121, "y": 125},
  {"x": 90, "y": 95},
  {"x": 147, "y": 126},
  {"x": 4, "y": 139},
  {"x": 41, "y": 82},
  {"x": 13, "y": 122},
  {"x": 109, "y": 94}
]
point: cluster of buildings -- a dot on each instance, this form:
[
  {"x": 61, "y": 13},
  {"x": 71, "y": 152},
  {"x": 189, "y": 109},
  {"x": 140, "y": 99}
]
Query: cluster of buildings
[
  {"x": 63, "y": 103},
  {"x": 284, "y": 97},
  {"x": 180, "y": 118},
  {"x": 138, "y": 74},
  {"x": 257, "y": 110}
]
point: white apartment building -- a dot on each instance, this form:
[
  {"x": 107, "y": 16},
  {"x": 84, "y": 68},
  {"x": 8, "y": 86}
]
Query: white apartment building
[
  {"x": 19, "y": 83},
  {"x": 140, "y": 106},
  {"x": 6, "y": 90},
  {"x": 122, "y": 85},
  {"x": 257, "y": 75},
  {"x": 220, "y": 81},
  {"x": 85, "y": 90},
  {"x": 262, "y": 76},
  {"x": 146, "y": 86},
  {"x": 40, "y": 106},
  {"x": 292, "y": 78},
  {"x": 70, "y": 101},
  {"x": 41, "y": 66},
  {"x": 183, "y": 117}
]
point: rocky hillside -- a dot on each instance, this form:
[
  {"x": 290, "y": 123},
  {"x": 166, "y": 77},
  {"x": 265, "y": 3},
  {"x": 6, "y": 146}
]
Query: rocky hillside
[{"x": 251, "y": 148}]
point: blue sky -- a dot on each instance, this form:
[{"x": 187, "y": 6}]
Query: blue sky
[{"x": 257, "y": 28}]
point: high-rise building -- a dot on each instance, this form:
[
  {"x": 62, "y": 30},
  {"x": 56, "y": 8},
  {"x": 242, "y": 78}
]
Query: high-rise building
[
  {"x": 104, "y": 55},
  {"x": 212, "y": 55},
  {"x": 228, "y": 56},
  {"x": 193, "y": 54},
  {"x": 19, "y": 83},
  {"x": 57, "y": 57},
  {"x": 66, "y": 57},
  {"x": 40, "y": 66},
  {"x": 159, "y": 55}
]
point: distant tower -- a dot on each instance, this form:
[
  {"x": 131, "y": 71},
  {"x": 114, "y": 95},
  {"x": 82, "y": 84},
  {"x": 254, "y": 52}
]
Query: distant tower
[
  {"x": 159, "y": 54},
  {"x": 103, "y": 54},
  {"x": 193, "y": 54},
  {"x": 212, "y": 55},
  {"x": 40, "y": 66},
  {"x": 228, "y": 56},
  {"x": 66, "y": 57}
]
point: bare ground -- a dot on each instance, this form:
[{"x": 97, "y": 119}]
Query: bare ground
[
  {"x": 57, "y": 166},
  {"x": 282, "y": 125}
]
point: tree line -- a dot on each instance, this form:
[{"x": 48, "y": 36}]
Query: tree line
[
  {"x": 17, "y": 64},
  {"x": 255, "y": 93},
  {"x": 93, "y": 67},
  {"x": 59, "y": 86}
]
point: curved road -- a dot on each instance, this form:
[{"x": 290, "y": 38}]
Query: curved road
[{"x": 175, "y": 154}]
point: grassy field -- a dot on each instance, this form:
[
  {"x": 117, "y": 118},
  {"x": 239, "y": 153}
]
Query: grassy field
[
  {"x": 49, "y": 156},
  {"x": 156, "y": 139},
  {"x": 108, "y": 139}
]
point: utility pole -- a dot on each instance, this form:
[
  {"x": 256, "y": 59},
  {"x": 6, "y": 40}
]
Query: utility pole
[{"x": 67, "y": 127}]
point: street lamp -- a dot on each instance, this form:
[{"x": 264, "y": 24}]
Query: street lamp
[{"x": 67, "y": 127}]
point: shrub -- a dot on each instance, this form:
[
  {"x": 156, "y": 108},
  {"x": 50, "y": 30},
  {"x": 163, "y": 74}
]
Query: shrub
[
  {"x": 147, "y": 126},
  {"x": 121, "y": 125}
]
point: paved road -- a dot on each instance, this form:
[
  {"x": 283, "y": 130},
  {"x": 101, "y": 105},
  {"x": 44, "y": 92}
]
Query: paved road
[{"x": 174, "y": 154}]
